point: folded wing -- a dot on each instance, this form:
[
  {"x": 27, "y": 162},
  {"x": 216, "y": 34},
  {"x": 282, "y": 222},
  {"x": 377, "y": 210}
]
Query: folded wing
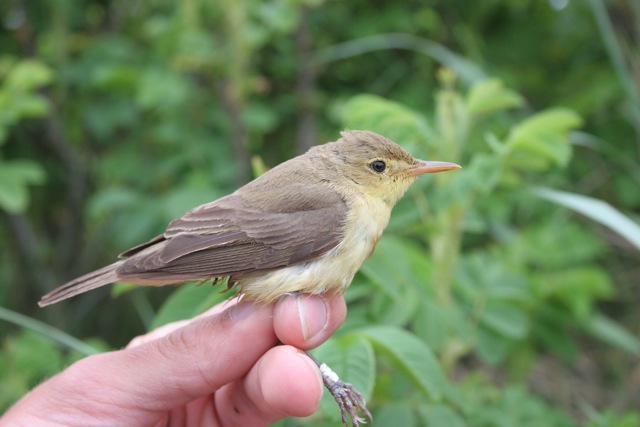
[{"x": 242, "y": 234}]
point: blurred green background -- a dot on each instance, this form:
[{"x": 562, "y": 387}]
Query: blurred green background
[{"x": 504, "y": 294}]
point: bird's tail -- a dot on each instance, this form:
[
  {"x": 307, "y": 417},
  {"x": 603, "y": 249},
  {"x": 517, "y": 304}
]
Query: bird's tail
[{"x": 82, "y": 284}]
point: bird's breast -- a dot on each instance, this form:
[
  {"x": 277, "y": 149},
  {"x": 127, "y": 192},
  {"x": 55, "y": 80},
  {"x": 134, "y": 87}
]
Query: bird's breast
[
  {"x": 367, "y": 219},
  {"x": 334, "y": 271}
]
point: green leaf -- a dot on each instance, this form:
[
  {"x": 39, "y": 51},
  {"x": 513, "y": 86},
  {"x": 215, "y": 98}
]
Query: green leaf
[
  {"x": 16, "y": 106},
  {"x": 539, "y": 244},
  {"x": 432, "y": 323},
  {"x": 397, "y": 268},
  {"x": 34, "y": 355},
  {"x": 28, "y": 75},
  {"x": 121, "y": 288},
  {"x": 610, "y": 418},
  {"x": 506, "y": 320},
  {"x": 183, "y": 197},
  {"x": 396, "y": 414},
  {"x": 114, "y": 77},
  {"x": 24, "y": 170},
  {"x": 478, "y": 178},
  {"x": 481, "y": 276},
  {"x": 490, "y": 95},
  {"x": 512, "y": 287},
  {"x": 391, "y": 119},
  {"x": 196, "y": 50},
  {"x": 485, "y": 170},
  {"x": 556, "y": 120},
  {"x": 189, "y": 301},
  {"x": 259, "y": 118},
  {"x": 391, "y": 263},
  {"x": 411, "y": 355},
  {"x": 551, "y": 329},
  {"x": 577, "y": 287},
  {"x": 438, "y": 324},
  {"x": 14, "y": 197},
  {"x": 595, "y": 209},
  {"x": 110, "y": 200},
  {"x": 162, "y": 90},
  {"x": 613, "y": 333},
  {"x": 492, "y": 347},
  {"x": 351, "y": 358},
  {"x": 278, "y": 15},
  {"x": 439, "y": 415},
  {"x": 15, "y": 176},
  {"x": 543, "y": 138}
]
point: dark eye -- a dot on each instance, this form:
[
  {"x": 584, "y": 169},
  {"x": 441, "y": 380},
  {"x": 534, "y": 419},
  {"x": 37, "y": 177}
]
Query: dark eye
[{"x": 378, "y": 165}]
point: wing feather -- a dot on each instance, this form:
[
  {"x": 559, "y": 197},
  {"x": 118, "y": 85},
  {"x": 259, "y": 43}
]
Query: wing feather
[{"x": 242, "y": 234}]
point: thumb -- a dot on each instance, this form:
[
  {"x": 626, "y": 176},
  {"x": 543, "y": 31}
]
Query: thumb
[{"x": 136, "y": 386}]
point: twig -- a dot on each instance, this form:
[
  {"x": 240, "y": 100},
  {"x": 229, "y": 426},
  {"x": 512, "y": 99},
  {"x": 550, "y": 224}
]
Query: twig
[
  {"x": 466, "y": 70},
  {"x": 232, "y": 105},
  {"x": 306, "y": 83},
  {"x": 68, "y": 239},
  {"x": 28, "y": 244}
]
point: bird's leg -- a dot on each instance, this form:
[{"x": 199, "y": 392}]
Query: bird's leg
[{"x": 348, "y": 398}]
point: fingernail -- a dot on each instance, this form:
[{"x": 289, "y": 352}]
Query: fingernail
[
  {"x": 312, "y": 310},
  {"x": 242, "y": 310}
]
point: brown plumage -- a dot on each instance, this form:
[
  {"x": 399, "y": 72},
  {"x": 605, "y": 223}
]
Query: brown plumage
[{"x": 306, "y": 225}]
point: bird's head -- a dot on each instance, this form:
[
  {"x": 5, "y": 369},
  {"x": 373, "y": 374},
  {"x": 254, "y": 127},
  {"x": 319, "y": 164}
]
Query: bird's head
[{"x": 378, "y": 166}]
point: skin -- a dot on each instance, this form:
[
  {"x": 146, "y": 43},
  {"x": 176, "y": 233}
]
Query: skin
[{"x": 179, "y": 374}]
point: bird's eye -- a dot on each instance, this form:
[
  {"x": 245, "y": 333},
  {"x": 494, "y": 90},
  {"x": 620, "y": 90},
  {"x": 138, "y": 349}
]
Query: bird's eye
[{"x": 378, "y": 166}]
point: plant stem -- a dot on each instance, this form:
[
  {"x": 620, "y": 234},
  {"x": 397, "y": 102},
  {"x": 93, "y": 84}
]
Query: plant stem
[
  {"x": 48, "y": 331},
  {"x": 446, "y": 248}
]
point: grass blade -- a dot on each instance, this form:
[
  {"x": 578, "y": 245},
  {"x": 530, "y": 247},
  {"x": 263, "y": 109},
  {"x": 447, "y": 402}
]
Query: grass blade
[
  {"x": 48, "y": 331},
  {"x": 597, "y": 210}
]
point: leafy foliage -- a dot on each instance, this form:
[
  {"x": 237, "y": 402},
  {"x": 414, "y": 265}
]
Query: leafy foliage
[
  {"x": 19, "y": 100},
  {"x": 116, "y": 119}
]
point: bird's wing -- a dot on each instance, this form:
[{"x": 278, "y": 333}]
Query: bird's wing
[{"x": 244, "y": 233}]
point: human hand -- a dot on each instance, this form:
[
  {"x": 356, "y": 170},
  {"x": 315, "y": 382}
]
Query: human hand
[{"x": 236, "y": 365}]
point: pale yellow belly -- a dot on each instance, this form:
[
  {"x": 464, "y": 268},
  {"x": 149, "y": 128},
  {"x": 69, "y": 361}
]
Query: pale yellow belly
[{"x": 331, "y": 273}]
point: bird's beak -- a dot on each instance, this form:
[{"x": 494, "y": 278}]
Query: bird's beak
[{"x": 425, "y": 166}]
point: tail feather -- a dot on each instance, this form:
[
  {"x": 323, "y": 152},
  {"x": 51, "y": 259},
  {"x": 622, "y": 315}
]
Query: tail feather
[{"x": 82, "y": 284}]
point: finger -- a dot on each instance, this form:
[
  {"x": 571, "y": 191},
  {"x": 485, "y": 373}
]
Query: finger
[
  {"x": 306, "y": 321},
  {"x": 284, "y": 382},
  {"x": 158, "y": 333},
  {"x": 170, "y": 327},
  {"x": 140, "y": 383}
]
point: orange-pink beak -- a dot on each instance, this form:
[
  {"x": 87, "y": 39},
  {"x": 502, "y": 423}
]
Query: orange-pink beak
[{"x": 426, "y": 166}]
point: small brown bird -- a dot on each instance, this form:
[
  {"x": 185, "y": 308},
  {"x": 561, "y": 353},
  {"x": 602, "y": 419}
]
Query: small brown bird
[{"x": 307, "y": 225}]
